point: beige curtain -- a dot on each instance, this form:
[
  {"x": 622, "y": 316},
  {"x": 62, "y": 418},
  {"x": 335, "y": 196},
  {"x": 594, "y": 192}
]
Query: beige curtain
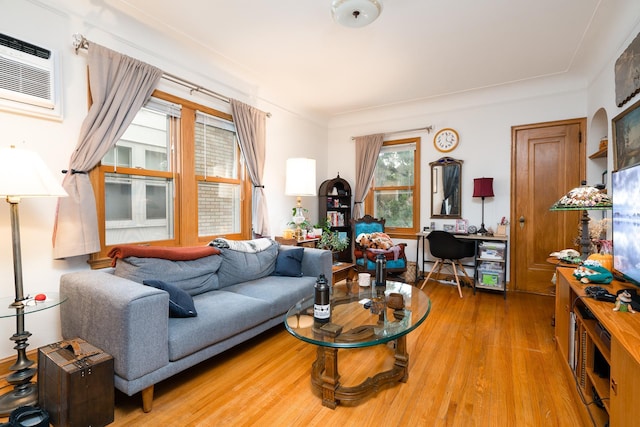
[
  {"x": 367, "y": 150},
  {"x": 119, "y": 87},
  {"x": 251, "y": 126}
]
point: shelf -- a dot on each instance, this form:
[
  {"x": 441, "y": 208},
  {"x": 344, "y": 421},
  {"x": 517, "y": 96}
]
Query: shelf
[
  {"x": 599, "y": 154},
  {"x": 601, "y": 385},
  {"x": 493, "y": 288},
  {"x": 333, "y": 191},
  {"x": 590, "y": 327}
]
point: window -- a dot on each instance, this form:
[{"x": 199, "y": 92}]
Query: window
[
  {"x": 175, "y": 178},
  {"x": 217, "y": 176},
  {"x": 395, "y": 191}
]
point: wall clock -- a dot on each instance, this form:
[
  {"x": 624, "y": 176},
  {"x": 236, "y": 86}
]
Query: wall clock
[{"x": 446, "y": 140}]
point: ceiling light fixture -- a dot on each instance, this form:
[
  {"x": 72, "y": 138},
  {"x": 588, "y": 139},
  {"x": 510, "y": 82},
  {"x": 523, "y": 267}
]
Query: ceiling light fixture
[{"x": 355, "y": 13}]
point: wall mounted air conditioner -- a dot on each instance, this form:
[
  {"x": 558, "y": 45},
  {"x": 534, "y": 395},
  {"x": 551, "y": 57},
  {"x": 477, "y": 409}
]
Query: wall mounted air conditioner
[{"x": 28, "y": 78}]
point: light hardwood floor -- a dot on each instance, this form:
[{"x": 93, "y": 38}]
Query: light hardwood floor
[{"x": 476, "y": 361}]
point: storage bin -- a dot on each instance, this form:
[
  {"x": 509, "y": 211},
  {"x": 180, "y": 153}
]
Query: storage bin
[
  {"x": 492, "y": 250},
  {"x": 491, "y": 265},
  {"x": 490, "y": 279}
]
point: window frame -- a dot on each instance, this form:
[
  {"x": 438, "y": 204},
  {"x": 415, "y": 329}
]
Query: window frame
[
  {"x": 400, "y": 232},
  {"x": 182, "y": 172}
]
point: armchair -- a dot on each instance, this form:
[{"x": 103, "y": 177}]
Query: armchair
[{"x": 371, "y": 240}]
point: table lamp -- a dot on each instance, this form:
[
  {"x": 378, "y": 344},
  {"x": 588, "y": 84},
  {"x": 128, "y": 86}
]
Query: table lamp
[
  {"x": 22, "y": 174},
  {"x": 482, "y": 187},
  {"x": 584, "y": 198},
  {"x": 300, "y": 181}
]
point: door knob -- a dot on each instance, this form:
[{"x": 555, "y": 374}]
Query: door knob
[{"x": 521, "y": 221}]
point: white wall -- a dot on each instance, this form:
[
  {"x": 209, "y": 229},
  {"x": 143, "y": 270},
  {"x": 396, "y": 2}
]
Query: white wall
[{"x": 483, "y": 119}]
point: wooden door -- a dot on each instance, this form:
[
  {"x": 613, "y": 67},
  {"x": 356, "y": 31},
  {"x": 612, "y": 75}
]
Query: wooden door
[{"x": 548, "y": 160}]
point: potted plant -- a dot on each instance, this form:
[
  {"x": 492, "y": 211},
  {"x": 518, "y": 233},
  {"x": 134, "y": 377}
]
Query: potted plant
[{"x": 332, "y": 241}]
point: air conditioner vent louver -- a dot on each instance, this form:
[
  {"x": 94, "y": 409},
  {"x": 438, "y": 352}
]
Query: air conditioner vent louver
[{"x": 27, "y": 78}]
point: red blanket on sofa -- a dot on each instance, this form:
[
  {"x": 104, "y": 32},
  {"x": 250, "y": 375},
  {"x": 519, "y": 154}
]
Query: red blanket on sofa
[{"x": 186, "y": 253}]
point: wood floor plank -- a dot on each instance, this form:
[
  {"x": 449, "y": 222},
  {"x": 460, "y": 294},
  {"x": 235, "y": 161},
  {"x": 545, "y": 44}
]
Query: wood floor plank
[{"x": 475, "y": 361}]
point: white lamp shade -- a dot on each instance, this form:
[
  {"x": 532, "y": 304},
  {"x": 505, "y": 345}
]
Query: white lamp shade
[
  {"x": 24, "y": 174},
  {"x": 355, "y": 13},
  {"x": 301, "y": 177}
]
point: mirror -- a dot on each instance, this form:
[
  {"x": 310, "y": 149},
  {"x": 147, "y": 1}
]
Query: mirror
[{"x": 445, "y": 188}]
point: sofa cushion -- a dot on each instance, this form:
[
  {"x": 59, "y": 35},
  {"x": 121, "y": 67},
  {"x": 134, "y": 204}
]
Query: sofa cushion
[
  {"x": 180, "y": 302},
  {"x": 221, "y": 315},
  {"x": 279, "y": 292},
  {"x": 289, "y": 262},
  {"x": 194, "y": 277},
  {"x": 238, "y": 266}
]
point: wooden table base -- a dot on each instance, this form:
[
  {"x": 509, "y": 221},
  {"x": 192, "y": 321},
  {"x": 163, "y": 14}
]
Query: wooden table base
[{"x": 326, "y": 379}]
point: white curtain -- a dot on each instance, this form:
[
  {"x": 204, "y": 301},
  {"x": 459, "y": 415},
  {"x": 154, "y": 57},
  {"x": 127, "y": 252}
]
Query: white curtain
[
  {"x": 251, "y": 127},
  {"x": 119, "y": 87},
  {"x": 367, "y": 150}
]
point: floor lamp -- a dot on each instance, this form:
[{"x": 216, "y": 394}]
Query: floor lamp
[
  {"x": 22, "y": 174},
  {"x": 584, "y": 198},
  {"x": 482, "y": 187},
  {"x": 300, "y": 181}
]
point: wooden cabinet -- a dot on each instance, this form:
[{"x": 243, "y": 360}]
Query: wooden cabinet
[
  {"x": 335, "y": 205},
  {"x": 601, "y": 348},
  {"x": 625, "y": 386},
  {"x": 563, "y": 319}
]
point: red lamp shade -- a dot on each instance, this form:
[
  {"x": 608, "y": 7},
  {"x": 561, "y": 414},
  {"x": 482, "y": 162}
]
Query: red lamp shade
[{"x": 483, "y": 187}]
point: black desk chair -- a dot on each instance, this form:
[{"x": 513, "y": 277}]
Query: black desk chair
[{"x": 445, "y": 247}]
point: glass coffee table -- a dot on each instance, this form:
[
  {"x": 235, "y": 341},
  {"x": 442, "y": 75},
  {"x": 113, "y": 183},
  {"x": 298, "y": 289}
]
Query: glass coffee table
[{"x": 360, "y": 317}]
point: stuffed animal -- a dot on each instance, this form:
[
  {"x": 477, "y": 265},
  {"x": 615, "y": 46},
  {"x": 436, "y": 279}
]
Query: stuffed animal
[
  {"x": 374, "y": 240},
  {"x": 623, "y": 302},
  {"x": 380, "y": 241},
  {"x": 364, "y": 240}
]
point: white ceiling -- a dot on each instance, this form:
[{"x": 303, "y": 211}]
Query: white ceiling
[{"x": 416, "y": 49}]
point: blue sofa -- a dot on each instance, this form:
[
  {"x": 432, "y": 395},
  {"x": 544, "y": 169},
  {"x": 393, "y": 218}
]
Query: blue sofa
[{"x": 236, "y": 296}]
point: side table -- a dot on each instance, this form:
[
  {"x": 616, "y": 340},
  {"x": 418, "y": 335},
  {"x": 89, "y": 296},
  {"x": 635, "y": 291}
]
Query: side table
[
  {"x": 25, "y": 392},
  {"x": 343, "y": 270},
  {"x": 307, "y": 243}
]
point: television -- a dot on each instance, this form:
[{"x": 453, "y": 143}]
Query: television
[{"x": 625, "y": 184}]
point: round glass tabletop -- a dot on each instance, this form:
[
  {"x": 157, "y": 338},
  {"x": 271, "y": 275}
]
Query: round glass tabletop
[
  {"x": 29, "y": 304},
  {"x": 360, "y": 316}
]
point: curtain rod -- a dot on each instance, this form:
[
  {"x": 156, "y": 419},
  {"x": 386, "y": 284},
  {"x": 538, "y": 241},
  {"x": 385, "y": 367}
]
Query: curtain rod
[
  {"x": 81, "y": 42},
  {"x": 427, "y": 128}
]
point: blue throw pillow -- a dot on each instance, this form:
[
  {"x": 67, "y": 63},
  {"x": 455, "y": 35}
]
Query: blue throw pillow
[
  {"x": 180, "y": 302},
  {"x": 289, "y": 262}
]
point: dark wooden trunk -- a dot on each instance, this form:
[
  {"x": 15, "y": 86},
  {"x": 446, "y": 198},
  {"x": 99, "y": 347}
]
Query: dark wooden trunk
[{"x": 75, "y": 384}]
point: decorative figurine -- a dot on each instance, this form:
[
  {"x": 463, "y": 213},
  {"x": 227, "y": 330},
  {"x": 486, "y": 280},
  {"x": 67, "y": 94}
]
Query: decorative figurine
[{"x": 623, "y": 302}]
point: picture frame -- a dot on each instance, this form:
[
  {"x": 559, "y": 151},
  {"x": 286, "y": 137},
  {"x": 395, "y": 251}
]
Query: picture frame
[
  {"x": 626, "y": 70},
  {"x": 626, "y": 137},
  {"x": 461, "y": 225},
  {"x": 451, "y": 228}
]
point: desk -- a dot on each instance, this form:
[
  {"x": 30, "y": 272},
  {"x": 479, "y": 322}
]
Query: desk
[{"x": 480, "y": 260}]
